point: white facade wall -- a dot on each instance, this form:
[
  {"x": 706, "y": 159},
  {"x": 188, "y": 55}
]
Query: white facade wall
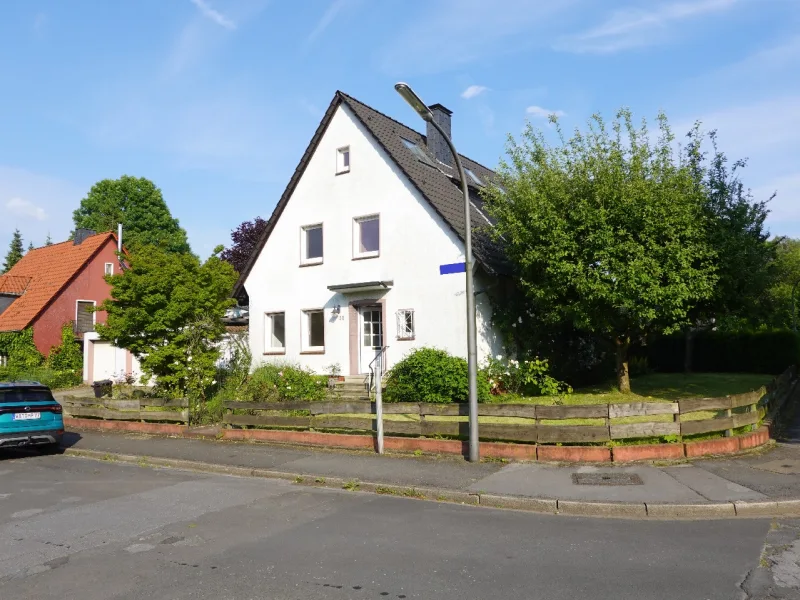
[{"x": 414, "y": 242}]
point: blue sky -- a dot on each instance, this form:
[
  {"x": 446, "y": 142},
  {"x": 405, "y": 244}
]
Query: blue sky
[{"x": 215, "y": 100}]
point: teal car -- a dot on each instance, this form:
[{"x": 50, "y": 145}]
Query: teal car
[{"x": 29, "y": 416}]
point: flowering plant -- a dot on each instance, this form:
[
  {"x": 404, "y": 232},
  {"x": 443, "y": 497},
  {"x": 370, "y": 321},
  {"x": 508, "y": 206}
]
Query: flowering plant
[{"x": 526, "y": 377}]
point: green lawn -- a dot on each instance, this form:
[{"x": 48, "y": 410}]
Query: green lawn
[{"x": 658, "y": 387}]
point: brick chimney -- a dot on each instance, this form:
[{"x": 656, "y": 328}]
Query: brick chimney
[{"x": 436, "y": 144}]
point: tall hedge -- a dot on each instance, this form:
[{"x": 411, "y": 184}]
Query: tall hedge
[{"x": 722, "y": 352}]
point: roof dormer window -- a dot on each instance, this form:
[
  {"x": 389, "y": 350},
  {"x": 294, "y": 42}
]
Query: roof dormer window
[{"x": 418, "y": 153}]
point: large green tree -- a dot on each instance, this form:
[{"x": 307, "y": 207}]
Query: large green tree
[
  {"x": 167, "y": 310},
  {"x": 15, "y": 251},
  {"x": 136, "y": 203},
  {"x": 606, "y": 230},
  {"x": 737, "y": 232},
  {"x": 782, "y": 300}
]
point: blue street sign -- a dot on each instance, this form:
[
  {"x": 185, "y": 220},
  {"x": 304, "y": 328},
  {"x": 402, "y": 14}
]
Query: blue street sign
[{"x": 453, "y": 268}]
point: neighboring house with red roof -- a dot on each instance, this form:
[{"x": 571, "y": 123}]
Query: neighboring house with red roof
[{"x": 59, "y": 284}]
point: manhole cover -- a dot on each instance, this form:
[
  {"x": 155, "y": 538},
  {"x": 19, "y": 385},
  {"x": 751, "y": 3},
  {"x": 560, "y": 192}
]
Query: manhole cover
[{"x": 606, "y": 479}]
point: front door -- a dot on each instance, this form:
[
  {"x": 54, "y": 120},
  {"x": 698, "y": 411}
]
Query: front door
[{"x": 371, "y": 318}]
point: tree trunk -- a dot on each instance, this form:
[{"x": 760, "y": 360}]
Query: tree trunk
[
  {"x": 688, "y": 351},
  {"x": 623, "y": 377}
]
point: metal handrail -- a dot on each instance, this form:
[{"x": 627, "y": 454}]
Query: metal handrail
[
  {"x": 375, "y": 373},
  {"x": 373, "y": 367}
]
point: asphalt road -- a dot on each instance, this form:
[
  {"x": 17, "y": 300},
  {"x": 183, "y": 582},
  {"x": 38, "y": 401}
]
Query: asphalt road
[{"x": 75, "y": 528}]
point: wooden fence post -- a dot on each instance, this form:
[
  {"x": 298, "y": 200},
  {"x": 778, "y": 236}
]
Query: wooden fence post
[{"x": 728, "y": 432}]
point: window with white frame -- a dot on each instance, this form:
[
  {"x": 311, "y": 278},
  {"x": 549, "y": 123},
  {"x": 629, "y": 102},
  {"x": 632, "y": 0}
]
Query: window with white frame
[
  {"x": 313, "y": 330},
  {"x": 84, "y": 316},
  {"x": 311, "y": 244},
  {"x": 109, "y": 270},
  {"x": 366, "y": 236},
  {"x": 343, "y": 160},
  {"x": 405, "y": 324},
  {"x": 275, "y": 332}
]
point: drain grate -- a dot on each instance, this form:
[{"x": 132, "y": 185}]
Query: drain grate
[{"x": 606, "y": 479}]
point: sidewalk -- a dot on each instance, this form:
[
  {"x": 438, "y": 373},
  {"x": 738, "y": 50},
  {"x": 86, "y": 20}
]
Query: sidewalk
[{"x": 764, "y": 484}]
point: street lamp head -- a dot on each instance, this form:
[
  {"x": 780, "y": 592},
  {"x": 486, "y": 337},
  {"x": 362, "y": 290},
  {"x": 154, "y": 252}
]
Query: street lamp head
[{"x": 415, "y": 101}]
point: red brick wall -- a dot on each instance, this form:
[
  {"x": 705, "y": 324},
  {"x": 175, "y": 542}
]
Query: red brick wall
[{"x": 87, "y": 285}]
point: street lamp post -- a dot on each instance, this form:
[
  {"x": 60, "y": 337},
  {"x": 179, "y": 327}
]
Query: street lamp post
[{"x": 472, "y": 347}]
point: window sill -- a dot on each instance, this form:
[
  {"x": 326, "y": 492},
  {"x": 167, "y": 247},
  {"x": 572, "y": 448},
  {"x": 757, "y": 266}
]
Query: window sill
[
  {"x": 313, "y": 263},
  {"x": 345, "y": 172},
  {"x": 314, "y": 351},
  {"x": 274, "y": 352},
  {"x": 406, "y": 339},
  {"x": 367, "y": 256}
]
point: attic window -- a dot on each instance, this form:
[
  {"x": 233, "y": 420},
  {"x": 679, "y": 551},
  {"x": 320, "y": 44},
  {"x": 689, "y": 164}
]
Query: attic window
[
  {"x": 109, "y": 268},
  {"x": 474, "y": 177},
  {"x": 418, "y": 152},
  {"x": 343, "y": 160}
]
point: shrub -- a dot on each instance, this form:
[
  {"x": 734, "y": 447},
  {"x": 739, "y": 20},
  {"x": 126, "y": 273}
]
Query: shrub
[
  {"x": 20, "y": 350},
  {"x": 431, "y": 375},
  {"x": 726, "y": 352},
  {"x": 283, "y": 381},
  {"x": 44, "y": 375},
  {"x": 68, "y": 355},
  {"x": 526, "y": 377}
]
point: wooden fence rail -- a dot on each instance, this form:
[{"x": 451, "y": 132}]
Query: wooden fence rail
[
  {"x": 136, "y": 409},
  {"x": 535, "y": 422}
]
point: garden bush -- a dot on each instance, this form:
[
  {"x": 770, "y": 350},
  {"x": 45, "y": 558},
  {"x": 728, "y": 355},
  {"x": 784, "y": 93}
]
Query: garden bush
[
  {"x": 44, "y": 375},
  {"x": 283, "y": 381},
  {"x": 725, "y": 352},
  {"x": 67, "y": 356},
  {"x": 432, "y": 375},
  {"x": 526, "y": 378}
]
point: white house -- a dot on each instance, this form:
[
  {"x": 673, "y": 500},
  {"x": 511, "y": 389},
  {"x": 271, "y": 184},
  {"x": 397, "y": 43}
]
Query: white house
[{"x": 364, "y": 249}]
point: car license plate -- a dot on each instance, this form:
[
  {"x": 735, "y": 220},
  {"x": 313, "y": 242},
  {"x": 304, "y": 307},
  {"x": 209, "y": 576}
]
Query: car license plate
[{"x": 27, "y": 416}]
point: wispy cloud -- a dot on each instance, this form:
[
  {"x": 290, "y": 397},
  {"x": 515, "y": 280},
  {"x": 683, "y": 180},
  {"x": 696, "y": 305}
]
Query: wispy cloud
[
  {"x": 543, "y": 113},
  {"x": 26, "y": 197},
  {"x": 24, "y": 208},
  {"x": 443, "y": 34},
  {"x": 210, "y": 13},
  {"x": 327, "y": 18},
  {"x": 634, "y": 27},
  {"x": 472, "y": 91}
]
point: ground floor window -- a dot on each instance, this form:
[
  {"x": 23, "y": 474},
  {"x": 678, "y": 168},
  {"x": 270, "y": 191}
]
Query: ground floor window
[
  {"x": 314, "y": 330},
  {"x": 275, "y": 331},
  {"x": 405, "y": 324}
]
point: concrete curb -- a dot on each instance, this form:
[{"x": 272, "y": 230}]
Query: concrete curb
[{"x": 551, "y": 506}]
